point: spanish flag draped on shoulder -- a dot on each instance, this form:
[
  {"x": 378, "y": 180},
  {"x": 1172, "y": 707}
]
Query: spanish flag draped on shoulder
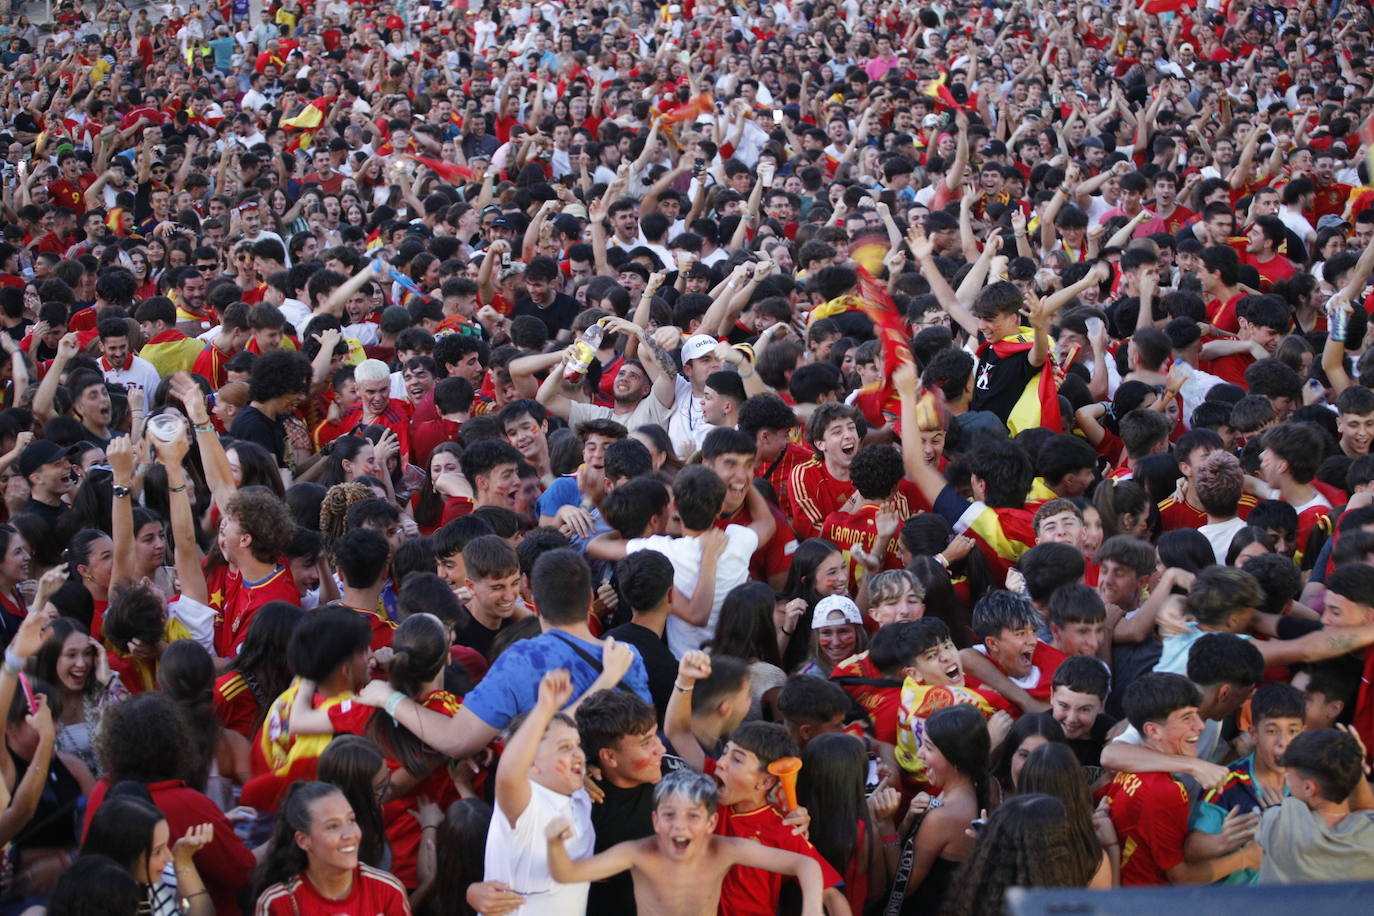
[
  {"x": 279, "y": 757},
  {"x": 1038, "y": 404},
  {"x": 307, "y": 120}
]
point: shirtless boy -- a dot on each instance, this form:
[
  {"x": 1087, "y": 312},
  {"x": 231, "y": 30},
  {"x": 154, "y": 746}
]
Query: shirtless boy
[{"x": 678, "y": 871}]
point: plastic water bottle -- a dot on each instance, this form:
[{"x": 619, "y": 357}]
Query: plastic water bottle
[{"x": 584, "y": 351}]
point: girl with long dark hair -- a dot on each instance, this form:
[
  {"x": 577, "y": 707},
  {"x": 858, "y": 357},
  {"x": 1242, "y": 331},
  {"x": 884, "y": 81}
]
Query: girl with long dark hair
[
  {"x": 462, "y": 847},
  {"x": 1027, "y": 734},
  {"x": 428, "y": 504},
  {"x": 954, "y": 751},
  {"x": 831, "y": 787},
  {"x": 15, "y": 562},
  {"x": 357, "y": 767},
  {"x": 1027, "y": 843},
  {"x": 77, "y": 667},
  {"x": 89, "y": 559},
  {"x": 746, "y": 629},
  {"x": 1053, "y": 770},
  {"x": 312, "y": 862},
  {"x": 818, "y": 570},
  {"x": 218, "y": 757}
]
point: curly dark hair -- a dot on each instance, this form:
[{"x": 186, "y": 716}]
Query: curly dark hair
[
  {"x": 279, "y": 372},
  {"x": 142, "y": 740}
]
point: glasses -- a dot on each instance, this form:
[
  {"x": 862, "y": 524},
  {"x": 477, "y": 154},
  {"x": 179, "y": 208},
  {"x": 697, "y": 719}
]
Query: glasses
[
  {"x": 206, "y": 266},
  {"x": 243, "y": 256}
]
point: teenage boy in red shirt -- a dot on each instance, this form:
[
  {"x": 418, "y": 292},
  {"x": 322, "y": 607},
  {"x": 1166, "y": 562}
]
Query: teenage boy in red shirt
[
  {"x": 1010, "y": 652},
  {"x": 1150, "y": 810}
]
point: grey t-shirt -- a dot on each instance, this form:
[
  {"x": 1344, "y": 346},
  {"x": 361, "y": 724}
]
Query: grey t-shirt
[{"x": 1301, "y": 847}]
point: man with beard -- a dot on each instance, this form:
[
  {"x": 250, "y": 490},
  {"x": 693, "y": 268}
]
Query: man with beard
[{"x": 644, "y": 392}]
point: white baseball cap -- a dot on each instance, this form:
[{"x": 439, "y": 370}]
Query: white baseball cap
[
  {"x": 831, "y": 604},
  {"x": 697, "y": 346}
]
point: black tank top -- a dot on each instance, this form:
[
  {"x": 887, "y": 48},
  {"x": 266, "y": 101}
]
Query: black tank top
[{"x": 55, "y": 822}]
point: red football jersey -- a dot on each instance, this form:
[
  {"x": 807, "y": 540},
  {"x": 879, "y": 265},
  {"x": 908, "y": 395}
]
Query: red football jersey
[
  {"x": 882, "y": 703},
  {"x": 753, "y": 891},
  {"x": 775, "y": 555},
  {"x": 816, "y": 493},
  {"x": 1046, "y": 661},
  {"x": 242, "y": 600},
  {"x": 374, "y": 892},
  {"x": 235, "y": 705},
  {"x": 1150, "y": 814},
  {"x": 1175, "y": 514}
]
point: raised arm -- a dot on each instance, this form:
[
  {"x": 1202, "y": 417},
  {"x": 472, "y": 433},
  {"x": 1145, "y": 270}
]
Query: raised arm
[
  {"x": 47, "y": 389},
  {"x": 677, "y": 718},
  {"x": 186, "y": 553},
  {"x": 120, "y": 454},
  {"x": 927, "y": 478},
  {"x": 218, "y": 473},
  {"x": 924, "y": 254},
  {"x": 513, "y": 772}
]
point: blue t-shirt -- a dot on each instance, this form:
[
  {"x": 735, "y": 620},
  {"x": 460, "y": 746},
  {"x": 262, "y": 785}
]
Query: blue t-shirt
[
  {"x": 224, "y": 52},
  {"x": 512, "y": 685},
  {"x": 562, "y": 492}
]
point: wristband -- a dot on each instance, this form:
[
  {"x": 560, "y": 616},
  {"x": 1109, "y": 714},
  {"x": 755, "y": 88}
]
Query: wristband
[
  {"x": 680, "y": 689},
  {"x": 393, "y": 702},
  {"x": 203, "y": 428},
  {"x": 180, "y": 489},
  {"x": 940, "y": 558},
  {"x": 891, "y": 839},
  {"x": 120, "y": 492},
  {"x": 13, "y": 663}
]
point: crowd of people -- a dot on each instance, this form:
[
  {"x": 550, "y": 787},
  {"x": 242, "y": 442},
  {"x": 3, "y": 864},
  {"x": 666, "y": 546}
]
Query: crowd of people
[{"x": 835, "y": 456}]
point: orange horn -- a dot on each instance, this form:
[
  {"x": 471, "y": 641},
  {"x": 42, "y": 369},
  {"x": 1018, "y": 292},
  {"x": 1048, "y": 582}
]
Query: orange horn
[{"x": 786, "y": 769}]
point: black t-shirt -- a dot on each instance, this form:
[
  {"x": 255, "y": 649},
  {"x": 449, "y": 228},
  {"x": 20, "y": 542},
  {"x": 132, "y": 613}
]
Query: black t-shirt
[
  {"x": 252, "y": 425},
  {"x": 471, "y": 633},
  {"x": 659, "y": 662},
  {"x": 999, "y": 381},
  {"x": 49, "y": 514},
  {"x": 557, "y": 317},
  {"x": 1089, "y": 750}
]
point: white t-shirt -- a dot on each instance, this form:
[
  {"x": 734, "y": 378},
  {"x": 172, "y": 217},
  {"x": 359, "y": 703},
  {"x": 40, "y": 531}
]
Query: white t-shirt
[
  {"x": 518, "y": 856},
  {"x": 297, "y": 314},
  {"x": 732, "y": 569},
  {"x": 140, "y": 374},
  {"x": 649, "y": 410},
  {"x": 1219, "y": 535},
  {"x": 687, "y": 417}
]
